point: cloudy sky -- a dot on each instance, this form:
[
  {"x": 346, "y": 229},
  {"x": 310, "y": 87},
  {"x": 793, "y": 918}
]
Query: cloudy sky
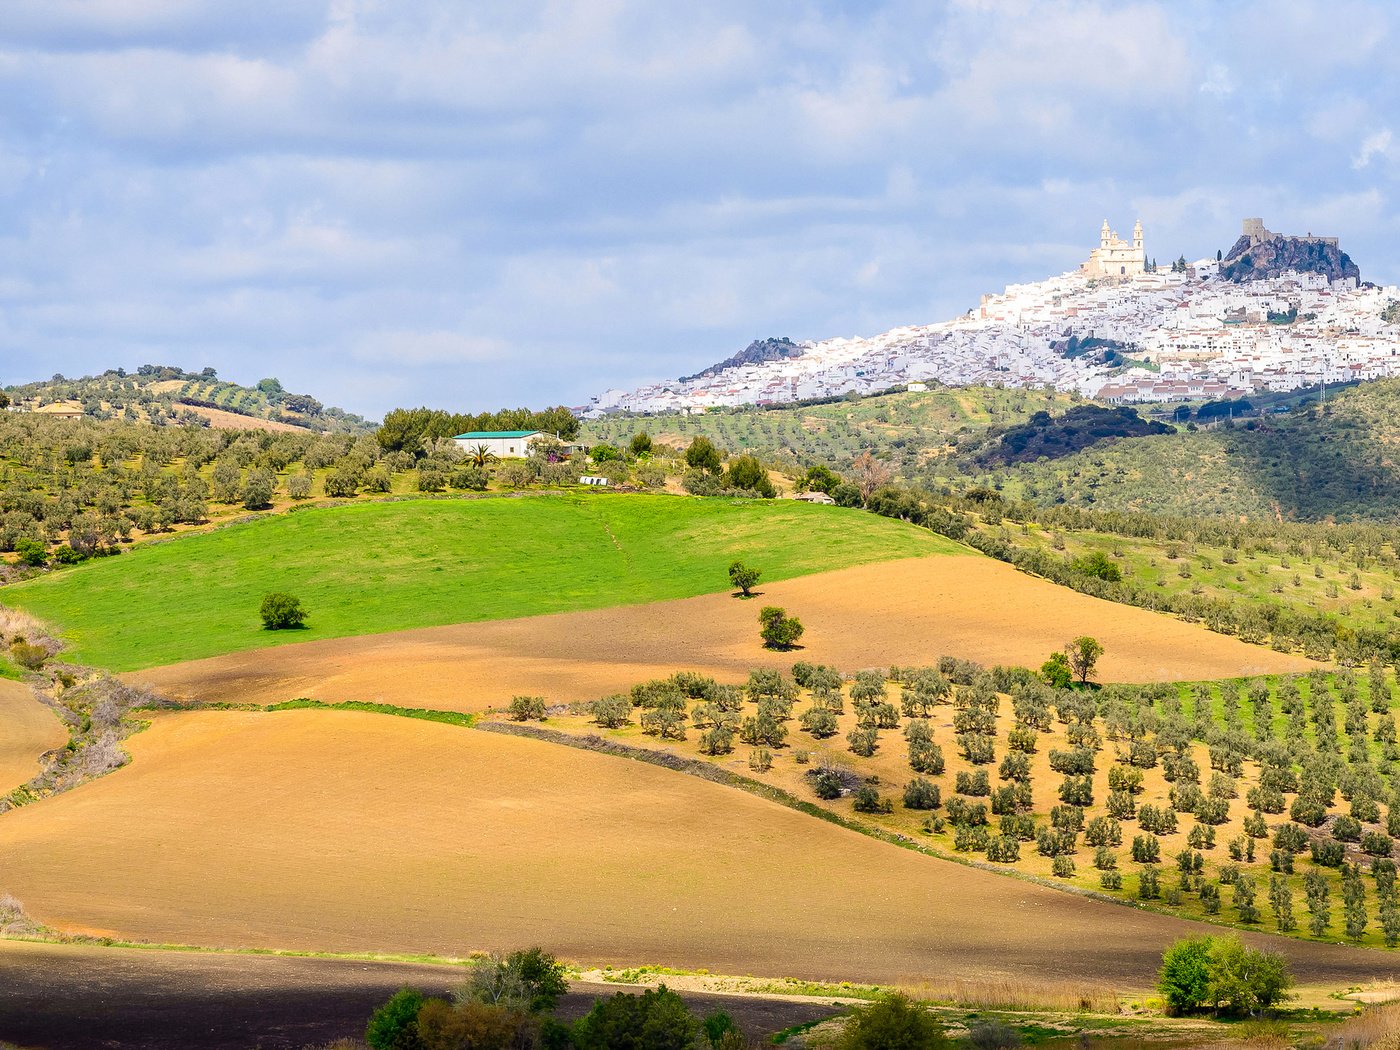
[{"x": 473, "y": 204}]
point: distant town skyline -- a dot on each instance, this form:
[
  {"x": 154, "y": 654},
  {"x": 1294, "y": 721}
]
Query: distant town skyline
[{"x": 471, "y": 206}]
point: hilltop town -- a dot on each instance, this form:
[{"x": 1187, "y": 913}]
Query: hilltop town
[{"x": 1119, "y": 328}]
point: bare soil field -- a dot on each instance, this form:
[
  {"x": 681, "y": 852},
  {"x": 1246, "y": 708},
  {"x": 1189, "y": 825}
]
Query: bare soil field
[
  {"x": 222, "y": 420},
  {"x": 351, "y": 832},
  {"x": 27, "y": 730},
  {"x": 900, "y": 612},
  {"x": 89, "y": 998}
]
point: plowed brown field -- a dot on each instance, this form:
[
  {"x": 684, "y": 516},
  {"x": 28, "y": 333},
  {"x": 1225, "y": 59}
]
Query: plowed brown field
[
  {"x": 27, "y": 730},
  {"x": 900, "y": 612},
  {"x": 346, "y": 831}
]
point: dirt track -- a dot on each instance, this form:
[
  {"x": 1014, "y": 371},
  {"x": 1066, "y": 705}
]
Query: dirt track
[
  {"x": 902, "y": 612},
  {"x": 357, "y": 832},
  {"x": 27, "y": 730},
  {"x": 84, "y": 998}
]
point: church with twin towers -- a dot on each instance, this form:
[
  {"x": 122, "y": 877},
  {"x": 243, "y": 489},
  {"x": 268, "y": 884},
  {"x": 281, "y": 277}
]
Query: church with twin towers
[{"x": 1115, "y": 257}]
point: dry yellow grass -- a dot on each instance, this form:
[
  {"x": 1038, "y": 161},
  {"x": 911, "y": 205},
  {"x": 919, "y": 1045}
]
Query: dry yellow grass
[
  {"x": 27, "y": 730},
  {"x": 345, "y": 831},
  {"x": 901, "y": 612}
]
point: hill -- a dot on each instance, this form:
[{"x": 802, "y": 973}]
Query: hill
[
  {"x": 909, "y": 431},
  {"x": 164, "y": 395},
  {"x": 1337, "y": 461},
  {"x": 1251, "y": 260},
  {"x": 756, "y": 353},
  {"x": 1083, "y": 426},
  {"x": 368, "y": 568}
]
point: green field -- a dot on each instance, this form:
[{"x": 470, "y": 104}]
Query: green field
[{"x": 368, "y": 568}]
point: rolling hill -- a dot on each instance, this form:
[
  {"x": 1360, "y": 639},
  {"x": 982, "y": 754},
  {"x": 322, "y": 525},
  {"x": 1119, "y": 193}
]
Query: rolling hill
[{"x": 367, "y": 568}]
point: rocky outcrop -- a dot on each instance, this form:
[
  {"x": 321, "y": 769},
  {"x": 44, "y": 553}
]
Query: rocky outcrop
[
  {"x": 1249, "y": 261},
  {"x": 756, "y": 353}
]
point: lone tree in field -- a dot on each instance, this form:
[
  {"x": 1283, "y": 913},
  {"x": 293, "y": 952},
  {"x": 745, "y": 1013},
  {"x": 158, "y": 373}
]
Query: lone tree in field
[
  {"x": 282, "y": 611},
  {"x": 743, "y": 577},
  {"x": 777, "y": 629},
  {"x": 1083, "y": 655}
]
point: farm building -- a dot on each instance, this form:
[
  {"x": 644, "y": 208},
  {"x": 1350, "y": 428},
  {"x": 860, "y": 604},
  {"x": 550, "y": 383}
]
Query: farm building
[{"x": 503, "y": 444}]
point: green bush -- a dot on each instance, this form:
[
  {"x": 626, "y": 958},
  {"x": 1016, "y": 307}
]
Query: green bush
[
  {"x": 655, "y": 1020},
  {"x": 394, "y": 1026},
  {"x": 892, "y": 1022},
  {"x": 282, "y": 612},
  {"x": 525, "y": 708},
  {"x": 777, "y": 629}
]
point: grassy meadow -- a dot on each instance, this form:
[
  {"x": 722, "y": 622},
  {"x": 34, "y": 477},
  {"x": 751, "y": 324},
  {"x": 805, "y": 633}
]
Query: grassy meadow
[{"x": 370, "y": 568}]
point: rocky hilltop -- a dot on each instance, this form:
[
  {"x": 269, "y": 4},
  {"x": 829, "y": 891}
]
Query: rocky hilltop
[
  {"x": 760, "y": 351},
  {"x": 1264, "y": 260}
]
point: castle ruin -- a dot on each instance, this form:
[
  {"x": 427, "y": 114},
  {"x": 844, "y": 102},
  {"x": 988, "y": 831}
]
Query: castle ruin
[
  {"x": 1257, "y": 234},
  {"x": 1115, "y": 257}
]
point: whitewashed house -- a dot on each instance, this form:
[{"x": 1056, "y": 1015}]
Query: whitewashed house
[{"x": 503, "y": 444}]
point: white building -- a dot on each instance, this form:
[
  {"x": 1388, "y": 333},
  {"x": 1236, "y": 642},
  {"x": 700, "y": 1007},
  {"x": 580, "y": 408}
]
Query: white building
[{"x": 503, "y": 444}]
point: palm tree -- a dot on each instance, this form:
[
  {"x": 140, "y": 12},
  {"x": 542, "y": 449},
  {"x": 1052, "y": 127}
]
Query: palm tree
[{"x": 481, "y": 456}]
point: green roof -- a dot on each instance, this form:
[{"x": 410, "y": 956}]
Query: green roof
[{"x": 486, "y": 434}]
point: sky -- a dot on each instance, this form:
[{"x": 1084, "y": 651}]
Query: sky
[{"x": 477, "y": 204}]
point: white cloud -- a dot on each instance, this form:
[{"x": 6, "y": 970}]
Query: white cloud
[{"x": 1376, "y": 144}]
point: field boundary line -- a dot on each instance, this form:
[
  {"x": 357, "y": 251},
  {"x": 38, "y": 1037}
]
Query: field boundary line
[{"x": 726, "y": 778}]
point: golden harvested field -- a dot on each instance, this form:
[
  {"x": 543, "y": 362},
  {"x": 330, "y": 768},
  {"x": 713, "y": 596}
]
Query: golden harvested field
[
  {"x": 902, "y": 612},
  {"x": 27, "y": 730},
  {"x": 344, "y": 831},
  {"x": 222, "y": 420}
]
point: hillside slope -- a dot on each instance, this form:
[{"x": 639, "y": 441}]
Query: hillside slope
[
  {"x": 164, "y": 395},
  {"x": 1338, "y": 461},
  {"x": 368, "y": 568}
]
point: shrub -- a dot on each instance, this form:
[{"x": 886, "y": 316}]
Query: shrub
[
  {"x": 827, "y": 783},
  {"x": 1111, "y": 880},
  {"x": 974, "y": 783},
  {"x": 1004, "y": 850},
  {"x": 961, "y": 811},
  {"x": 868, "y": 800},
  {"x": 1062, "y": 867},
  {"x": 890, "y": 1023},
  {"x": 1103, "y": 831},
  {"x": 394, "y": 1026},
  {"x": 32, "y": 553},
  {"x": 611, "y": 712},
  {"x": 282, "y": 612},
  {"x": 1328, "y": 853},
  {"x": 1376, "y": 844},
  {"x": 1077, "y": 791},
  {"x": 1147, "y": 849},
  {"x": 530, "y": 980},
  {"x": 657, "y": 1018},
  {"x": 30, "y": 657},
  {"x": 524, "y": 708},
  {"x": 1346, "y": 829},
  {"x": 920, "y": 794}
]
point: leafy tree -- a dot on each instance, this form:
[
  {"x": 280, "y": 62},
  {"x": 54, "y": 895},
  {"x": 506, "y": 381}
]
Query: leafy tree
[
  {"x": 640, "y": 445},
  {"x": 655, "y": 1020},
  {"x": 1083, "y": 655},
  {"x": 1098, "y": 565},
  {"x": 746, "y": 472},
  {"x": 32, "y": 553},
  {"x": 893, "y": 1022},
  {"x": 819, "y": 479},
  {"x": 481, "y": 1026},
  {"x": 743, "y": 577},
  {"x": 702, "y": 455},
  {"x": 282, "y": 611},
  {"x": 777, "y": 629},
  {"x": 1220, "y": 973},
  {"x": 1056, "y": 671},
  {"x": 530, "y": 979},
  {"x": 394, "y": 1026}
]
